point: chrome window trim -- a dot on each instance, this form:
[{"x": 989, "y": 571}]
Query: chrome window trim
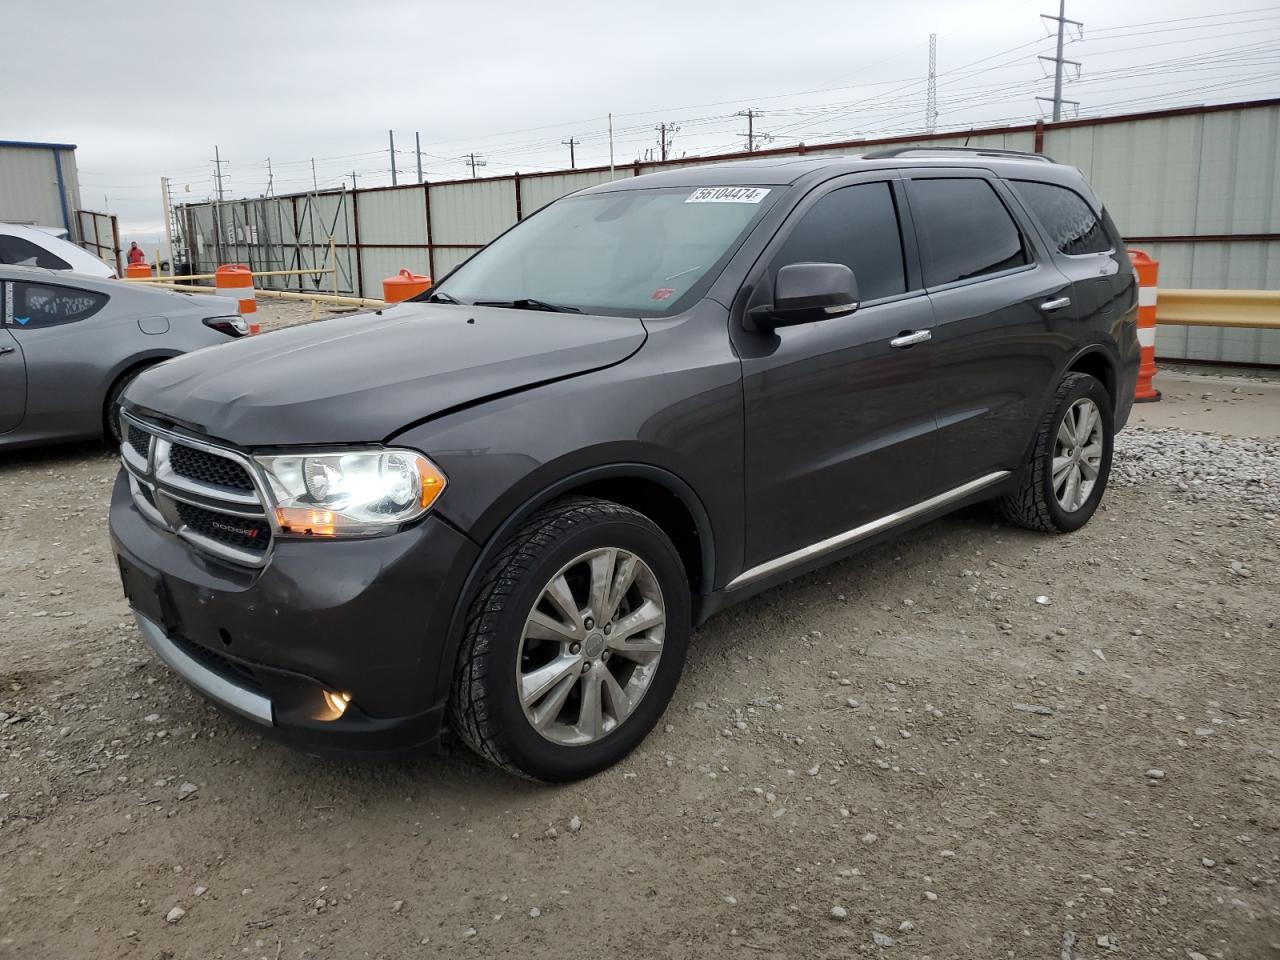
[{"x": 849, "y": 537}]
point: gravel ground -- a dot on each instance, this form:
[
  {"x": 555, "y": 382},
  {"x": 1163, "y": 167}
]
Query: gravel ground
[{"x": 975, "y": 742}]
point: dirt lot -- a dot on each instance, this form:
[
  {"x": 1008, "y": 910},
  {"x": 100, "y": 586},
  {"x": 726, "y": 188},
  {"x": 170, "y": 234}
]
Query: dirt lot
[{"x": 911, "y": 735}]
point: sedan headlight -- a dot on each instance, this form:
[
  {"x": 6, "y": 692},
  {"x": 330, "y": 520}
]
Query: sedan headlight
[{"x": 351, "y": 493}]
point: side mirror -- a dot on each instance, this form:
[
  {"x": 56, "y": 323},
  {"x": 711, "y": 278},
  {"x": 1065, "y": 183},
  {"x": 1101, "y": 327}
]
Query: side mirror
[{"x": 806, "y": 292}]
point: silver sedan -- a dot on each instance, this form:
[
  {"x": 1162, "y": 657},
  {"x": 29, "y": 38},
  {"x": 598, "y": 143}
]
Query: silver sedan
[{"x": 70, "y": 344}]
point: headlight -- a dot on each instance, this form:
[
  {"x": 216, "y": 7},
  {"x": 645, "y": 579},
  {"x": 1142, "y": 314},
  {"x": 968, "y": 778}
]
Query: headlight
[{"x": 355, "y": 493}]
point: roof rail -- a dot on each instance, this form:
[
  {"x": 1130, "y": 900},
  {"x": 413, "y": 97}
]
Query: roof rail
[{"x": 965, "y": 151}]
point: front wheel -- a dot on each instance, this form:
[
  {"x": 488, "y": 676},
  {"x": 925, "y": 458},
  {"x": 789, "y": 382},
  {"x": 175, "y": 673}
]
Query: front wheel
[
  {"x": 111, "y": 409},
  {"x": 1062, "y": 484},
  {"x": 574, "y": 643}
]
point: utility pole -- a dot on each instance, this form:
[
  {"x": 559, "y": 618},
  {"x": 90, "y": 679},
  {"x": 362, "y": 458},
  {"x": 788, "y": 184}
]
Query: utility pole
[
  {"x": 1058, "y": 61},
  {"x": 473, "y": 161},
  {"x": 353, "y": 180},
  {"x": 751, "y": 135},
  {"x": 270, "y": 178},
  {"x": 315, "y": 185},
  {"x": 392, "y": 135},
  {"x": 217, "y": 170},
  {"x": 665, "y": 131},
  {"x": 610, "y": 146},
  {"x": 417, "y": 152},
  {"x": 571, "y": 143},
  {"x": 931, "y": 104},
  {"x": 168, "y": 224}
]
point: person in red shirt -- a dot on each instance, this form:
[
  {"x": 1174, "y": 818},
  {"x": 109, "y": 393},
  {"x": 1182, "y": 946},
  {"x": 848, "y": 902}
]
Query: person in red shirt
[{"x": 135, "y": 254}]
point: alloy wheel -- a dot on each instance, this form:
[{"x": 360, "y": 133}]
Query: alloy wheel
[
  {"x": 590, "y": 646},
  {"x": 1077, "y": 455}
]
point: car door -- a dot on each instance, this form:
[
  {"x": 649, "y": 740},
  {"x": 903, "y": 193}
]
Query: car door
[
  {"x": 67, "y": 355},
  {"x": 839, "y": 423},
  {"x": 1099, "y": 270},
  {"x": 13, "y": 372},
  {"x": 995, "y": 294}
]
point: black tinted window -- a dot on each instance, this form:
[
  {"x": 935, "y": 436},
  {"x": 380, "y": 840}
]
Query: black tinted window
[
  {"x": 1072, "y": 226},
  {"x": 965, "y": 230},
  {"x": 22, "y": 251},
  {"x": 856, "y": 226},
  {"x": 46, "y": 305}
]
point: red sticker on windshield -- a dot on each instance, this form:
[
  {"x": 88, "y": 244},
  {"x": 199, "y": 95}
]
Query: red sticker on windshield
[{"x": 663, "y": 292}]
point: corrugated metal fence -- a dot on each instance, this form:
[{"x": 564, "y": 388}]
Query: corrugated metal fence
[{"x": 1198, "y": 188}]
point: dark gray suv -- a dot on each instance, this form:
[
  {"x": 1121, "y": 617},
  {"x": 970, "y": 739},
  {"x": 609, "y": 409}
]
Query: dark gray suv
[{"x": 506, "y": 505}]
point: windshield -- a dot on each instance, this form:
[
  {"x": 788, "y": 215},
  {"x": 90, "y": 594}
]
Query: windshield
[{"x": 633, "y": 252}]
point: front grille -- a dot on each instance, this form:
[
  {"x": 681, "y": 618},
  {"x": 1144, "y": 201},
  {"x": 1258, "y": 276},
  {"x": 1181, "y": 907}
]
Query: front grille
[
  {"x": 209, "y": 468},
  {"x": 237, "y": 673},
  {"x": 243, "y": 533},
  {"x": 196, "y": 491},
  {"x": 140, "y": 440}
]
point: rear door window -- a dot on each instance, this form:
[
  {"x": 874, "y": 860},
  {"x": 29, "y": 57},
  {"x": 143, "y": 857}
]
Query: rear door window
[
  {"x": 38, "y": 305},
  {"x": 856, "y": 226},
  {"x": 964, "y": 230},
  {"x": 1069, "y": 221},
  {"x": 21, "y": 251}
]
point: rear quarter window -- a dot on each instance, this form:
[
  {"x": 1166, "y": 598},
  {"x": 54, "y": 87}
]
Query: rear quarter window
[
  {"x": 21, "y": 251},
  {"x": 37, "y": 305},
  {"x": 1072, "y": 226}
]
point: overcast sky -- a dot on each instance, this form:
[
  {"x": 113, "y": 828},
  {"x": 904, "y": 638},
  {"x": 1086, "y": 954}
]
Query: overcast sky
[{"x": 146, "y": 90}]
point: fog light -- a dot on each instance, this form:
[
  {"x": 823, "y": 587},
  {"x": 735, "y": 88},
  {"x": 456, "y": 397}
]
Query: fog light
[{"x": 337, "y": 702}]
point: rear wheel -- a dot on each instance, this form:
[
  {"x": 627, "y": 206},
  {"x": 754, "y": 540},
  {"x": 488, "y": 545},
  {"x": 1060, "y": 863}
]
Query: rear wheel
[
  {"x": 111, "y": 409},
  {"x": 574, "y": 644},
  {"x": 1062, "y": 485}
]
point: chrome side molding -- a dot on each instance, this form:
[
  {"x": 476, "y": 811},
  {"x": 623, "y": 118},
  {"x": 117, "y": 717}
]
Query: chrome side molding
[{"x": 849, "y": 537}]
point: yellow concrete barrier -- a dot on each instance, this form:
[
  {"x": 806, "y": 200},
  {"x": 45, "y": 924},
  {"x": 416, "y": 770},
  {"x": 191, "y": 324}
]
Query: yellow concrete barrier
[{"x": 1219, "y": 308}]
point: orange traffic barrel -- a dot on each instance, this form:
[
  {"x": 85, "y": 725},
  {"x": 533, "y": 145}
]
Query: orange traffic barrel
[
  {"x": 236, "y": 280},
  {"x": 138, "y": 270},
  {"x": 1148, "y": 271},
  {"x": 404, "y": 285}
]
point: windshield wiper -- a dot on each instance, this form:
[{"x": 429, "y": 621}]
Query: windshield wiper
[
  {"x": 438, "y": 297},
  {"x": 527, "y": 303}
]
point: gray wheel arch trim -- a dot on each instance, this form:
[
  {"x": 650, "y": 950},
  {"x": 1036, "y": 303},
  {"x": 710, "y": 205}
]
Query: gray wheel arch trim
[{"x": 566, "y": 484}]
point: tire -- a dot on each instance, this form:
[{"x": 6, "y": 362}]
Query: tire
[
  {"x": 111, "y": 409},
  {"x": 502, "y": 647},
  {"x": 1041, "y": 500}
]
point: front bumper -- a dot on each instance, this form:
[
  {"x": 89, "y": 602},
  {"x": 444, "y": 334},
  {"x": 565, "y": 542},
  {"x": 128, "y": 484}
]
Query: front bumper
[{"x": 369, "y": 618}]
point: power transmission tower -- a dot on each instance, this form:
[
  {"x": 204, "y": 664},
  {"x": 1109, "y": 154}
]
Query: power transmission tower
[
  {"x": 1058, "y": 61},
  {"x": 571, "y": 143},
  {"x": 217, "y": 170},
  {"x": 751, "y": 136},
  {"x": 392, "y": 135},
  {"x": 931, "y": 104},
  {"x": 270, "y": 179},
  {"x": 666, "y": 132},
  {"x": 473, "y": 161}
]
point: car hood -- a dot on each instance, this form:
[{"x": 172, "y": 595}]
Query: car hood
[{"x": 363, "y": 378}]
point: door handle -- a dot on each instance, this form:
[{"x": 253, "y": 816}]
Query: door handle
[
  {"x": 4, "y": 350},
  {"x": 1055, "y": 304},
  {"x": 911, "y": 339}
]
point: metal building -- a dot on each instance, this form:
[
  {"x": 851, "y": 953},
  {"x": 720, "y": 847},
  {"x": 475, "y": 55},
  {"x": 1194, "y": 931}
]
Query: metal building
[
  {"x": 1196, "y": 187},
  {"x": 39, "y": 185}
]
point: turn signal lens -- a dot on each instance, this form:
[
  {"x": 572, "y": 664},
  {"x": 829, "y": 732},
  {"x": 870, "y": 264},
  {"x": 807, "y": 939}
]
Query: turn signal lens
[
  {"x": 300, "y": 520},
  {"x": 432, "y": 481}
]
